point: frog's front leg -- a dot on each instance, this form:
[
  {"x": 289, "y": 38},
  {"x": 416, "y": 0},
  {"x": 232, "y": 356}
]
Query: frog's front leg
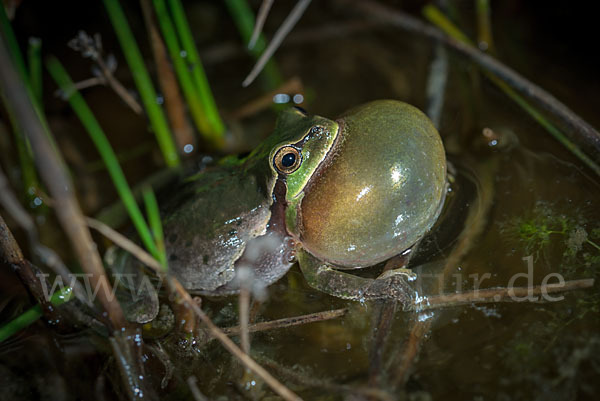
[{"x": 393, "y": 284}]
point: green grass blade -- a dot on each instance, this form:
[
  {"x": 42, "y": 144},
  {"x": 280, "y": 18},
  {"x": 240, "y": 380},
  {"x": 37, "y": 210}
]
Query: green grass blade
[
  {"x": 484, "y": 26},
  {"x": 244, "y": 20},
  {"x": 193, "y": 59},
  {"x": 31, "y": 315},
  {"x": 13, "y": 46},
  {"x": 436, "y": 17},
  {"x": 155, "y": 224},
  {"x": 30, "y": 179},
  {"x": 60, "y": 75},
  {"x": 143, "y": 82},
  {"x": 188, "y": 86}
]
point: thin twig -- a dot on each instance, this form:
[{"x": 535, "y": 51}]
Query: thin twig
[
  {"x": 92, "y": 47},
  {"x": 12, "y": 257},
  {"x": 281, "y": 33},
  {"x": 185, "y": 318},
  {"x": 244, "y": 304},
  {"x": 504, "y": 294},
  {"x": 288, "y": 322},
  {"x": 51, "y": 168},
  {"x": 40, "y": 252},
  {"x": 277, "y": 386},
  {"x": 264, "y": 101},
  {"x": 578, "y": 128},
  {"x": 261, "y": 17},
  {"x": 125, "y": 243},
  {"x": 177, "y": 289}
]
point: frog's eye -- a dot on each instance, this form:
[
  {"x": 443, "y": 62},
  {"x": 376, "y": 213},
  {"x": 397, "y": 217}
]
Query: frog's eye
[{"x": 287, "y": 159}]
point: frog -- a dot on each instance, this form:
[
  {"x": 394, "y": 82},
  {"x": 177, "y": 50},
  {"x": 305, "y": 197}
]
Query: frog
[{"x": 331, "y": 195}]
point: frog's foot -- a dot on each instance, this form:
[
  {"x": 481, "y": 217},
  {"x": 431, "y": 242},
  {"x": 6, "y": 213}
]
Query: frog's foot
[{"x": 393, "y": 284}]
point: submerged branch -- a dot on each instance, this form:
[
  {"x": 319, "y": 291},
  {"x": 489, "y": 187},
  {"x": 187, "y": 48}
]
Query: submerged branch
[
  {"x": 538, "y": 293},
  {"x": 288, "y": 322}
]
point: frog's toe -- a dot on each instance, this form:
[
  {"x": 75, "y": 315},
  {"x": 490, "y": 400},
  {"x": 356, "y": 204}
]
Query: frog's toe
[{"x": 393, "y": 284}]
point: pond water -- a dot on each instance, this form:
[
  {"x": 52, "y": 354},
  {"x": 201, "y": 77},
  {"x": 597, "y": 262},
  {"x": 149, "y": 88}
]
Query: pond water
[{"x": 535, "y": 220}]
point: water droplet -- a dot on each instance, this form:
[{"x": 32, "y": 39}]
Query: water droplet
[
  {"x": 188, "y": 148},
  {"x": 298, "y": 98}
]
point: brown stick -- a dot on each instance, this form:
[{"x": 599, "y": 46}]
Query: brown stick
[
  {"x": 124, "y": 243},
  {"x": 504, "y": 294},
  {"x": 185, "y": 318},
  {"x": 39, "y": 252},
  {"x": 288, "y": 322},
  {"x": 261, "y": 17},
  {"x": 275, "y": 384},
  {"x": 12, "y": 257},
  {"x": 50, "y": 166},
  {"x": 183, "y": 298},
  {"x": 293, "y": 85},
  {"x": 541, "y": 97}
]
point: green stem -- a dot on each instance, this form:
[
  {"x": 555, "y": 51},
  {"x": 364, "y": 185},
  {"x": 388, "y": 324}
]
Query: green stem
[
  {"x": 436, "y": 17},
  {"x": 13, "y": 45},
  {"x": 155, "y": 224},
  {"x": 194, "y": 62},
  {"x": 592, "y": 243},
  {"x": 484, "y": 26},
  {"x": 187, "y": 83},
  {"x": 143, "y": 82},
  {"x": 31, "y": 315},
  {"x": 97, "y": 135},
  {"x": 244, "y": 20},
  {"x": 30, "y": 179}
]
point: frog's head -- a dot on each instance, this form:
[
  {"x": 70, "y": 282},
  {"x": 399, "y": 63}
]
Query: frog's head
[
  {"x": 303, "y": 143},
  {"x": 364, "y": 188}
]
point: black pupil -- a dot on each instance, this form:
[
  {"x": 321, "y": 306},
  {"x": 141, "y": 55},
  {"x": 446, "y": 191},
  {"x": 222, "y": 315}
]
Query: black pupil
[{"x": 288, "y": 160}]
